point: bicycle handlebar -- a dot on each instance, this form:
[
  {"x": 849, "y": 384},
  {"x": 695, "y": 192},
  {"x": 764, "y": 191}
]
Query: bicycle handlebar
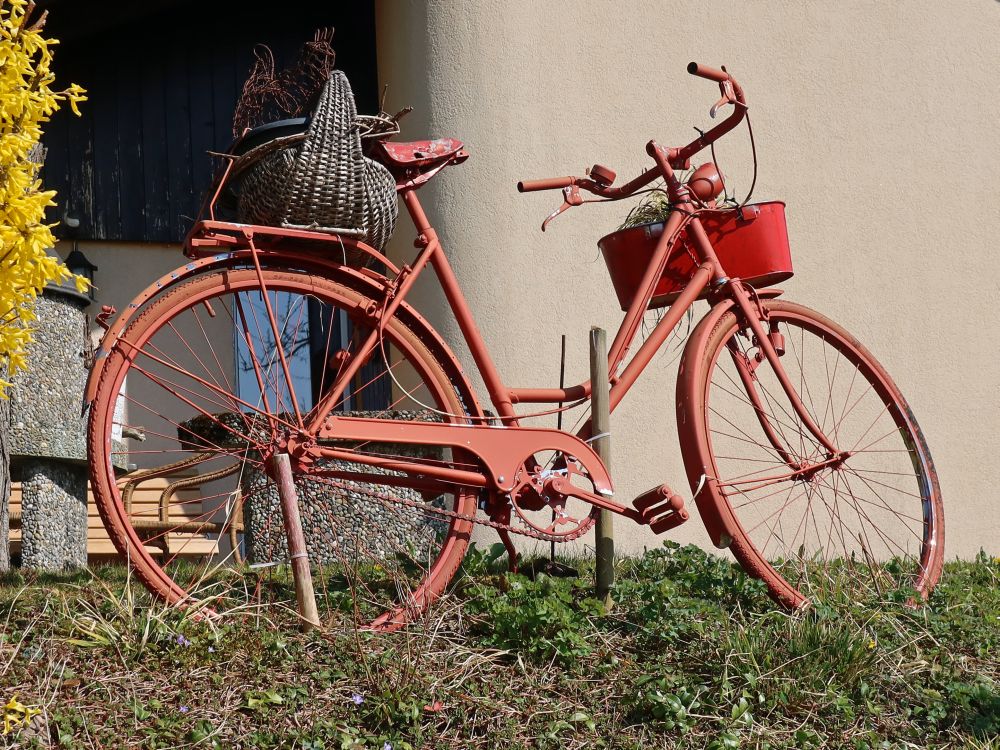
[
  {"x": 732, "y": 93},
  {"x": 706, "y": 72},
  {"x": 677, "y": 157},
  {"x": 549, "y": 183}
]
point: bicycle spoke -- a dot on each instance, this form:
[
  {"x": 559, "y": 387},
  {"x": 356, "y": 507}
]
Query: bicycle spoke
[
  {"x": 211, "y": 387},
  {"x": 855, "y": 510}
]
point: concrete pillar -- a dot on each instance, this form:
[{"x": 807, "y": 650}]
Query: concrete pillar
[
  {"x": 502, "y": 78},
  {"x": 54, "y": 519},
  {"x": 47, "y": 447}
]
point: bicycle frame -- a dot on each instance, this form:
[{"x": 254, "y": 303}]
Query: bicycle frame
[
  {"x": 503, "y": 451},
  {"x": 232, "y": 438},
  {"x": 502, "y": 396}
]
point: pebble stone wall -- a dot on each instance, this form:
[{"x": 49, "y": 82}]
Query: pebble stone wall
[
  {"x": 46, "y": 398},
  {"x": 339, "y": 523},
  {"x": 54, "y": 521},
  {"x": 47, "y": 444}
]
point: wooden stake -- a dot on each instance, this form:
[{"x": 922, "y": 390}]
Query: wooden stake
[
  {"x": 298, "y": 555},
  {"x": 600, "y": 430},
  {"x": 559, "y": 421}
]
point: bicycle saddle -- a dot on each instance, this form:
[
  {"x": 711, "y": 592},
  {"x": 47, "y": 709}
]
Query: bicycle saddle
[{"x": 419, "y": 153}]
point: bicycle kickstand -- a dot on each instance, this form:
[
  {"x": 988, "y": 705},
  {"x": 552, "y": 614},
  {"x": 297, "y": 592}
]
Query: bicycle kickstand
[{"x": 513, "y": 556}]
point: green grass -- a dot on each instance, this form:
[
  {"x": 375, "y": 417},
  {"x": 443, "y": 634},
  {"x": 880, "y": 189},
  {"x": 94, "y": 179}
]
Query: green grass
[{"x": 693, "y": 655}]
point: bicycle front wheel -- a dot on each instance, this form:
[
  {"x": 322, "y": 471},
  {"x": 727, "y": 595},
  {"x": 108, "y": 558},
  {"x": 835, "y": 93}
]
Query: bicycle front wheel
[
  {"x": 193, "y": 398},
  {"x": 868, "y": 525}
]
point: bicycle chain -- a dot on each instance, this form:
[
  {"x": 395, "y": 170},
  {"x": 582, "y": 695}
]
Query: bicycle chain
[{"x": 433, "y": 510}]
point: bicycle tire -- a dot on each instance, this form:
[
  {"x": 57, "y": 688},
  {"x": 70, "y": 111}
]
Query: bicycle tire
[
  {"x": 112, "y": 438},
  {"x": 882, "y": 508}
]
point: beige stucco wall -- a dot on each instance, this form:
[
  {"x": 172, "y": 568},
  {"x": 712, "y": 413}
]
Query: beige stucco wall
[
  {"x": 124, "y": 268},
  {"x": 876, "y": 122}
]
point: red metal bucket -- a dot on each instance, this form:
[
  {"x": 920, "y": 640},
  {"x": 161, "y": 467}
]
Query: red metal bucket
[{"x": 751, "y": 243}]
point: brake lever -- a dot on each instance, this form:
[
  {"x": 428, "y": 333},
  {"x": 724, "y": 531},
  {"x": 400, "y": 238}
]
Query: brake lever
[
  {"x": 728, "y": 97},
  {"x": 571, "y": 197}
]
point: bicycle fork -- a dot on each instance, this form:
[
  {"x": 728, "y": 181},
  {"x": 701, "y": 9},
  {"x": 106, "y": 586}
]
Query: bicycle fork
[{"x": 769, "y": 341}]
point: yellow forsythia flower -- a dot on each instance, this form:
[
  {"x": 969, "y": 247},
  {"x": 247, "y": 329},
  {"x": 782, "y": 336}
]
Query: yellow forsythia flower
[
  {"x": 17, "y": 714},
  {"x": 26, "y": 101}
]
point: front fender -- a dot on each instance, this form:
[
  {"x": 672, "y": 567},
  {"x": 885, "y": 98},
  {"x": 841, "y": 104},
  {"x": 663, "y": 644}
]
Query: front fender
[
  {"x": 691, "y": 427},
  {"x": 365, "y": 281}
]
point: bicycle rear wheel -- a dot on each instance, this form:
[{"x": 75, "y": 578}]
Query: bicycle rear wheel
[
  {"x": 192, "y": 399},
  {"x": 869, "y": 525}
]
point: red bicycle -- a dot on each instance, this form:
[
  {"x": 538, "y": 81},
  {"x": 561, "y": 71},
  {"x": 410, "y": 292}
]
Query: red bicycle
[{"x": 802, "y": 455}]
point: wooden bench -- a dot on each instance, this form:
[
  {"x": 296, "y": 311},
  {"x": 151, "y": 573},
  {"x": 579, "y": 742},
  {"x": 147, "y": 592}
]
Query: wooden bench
[{"x": 146, "y": 511}]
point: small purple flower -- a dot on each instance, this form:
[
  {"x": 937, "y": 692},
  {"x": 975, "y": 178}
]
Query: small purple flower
[
  {"x": 387, "y": 746},
  {"x": 357, "y": 699},
  {"x": 211, "y": 649},
  {"x": 182, "y": 641},
  {"x": 184, "y": 709}
]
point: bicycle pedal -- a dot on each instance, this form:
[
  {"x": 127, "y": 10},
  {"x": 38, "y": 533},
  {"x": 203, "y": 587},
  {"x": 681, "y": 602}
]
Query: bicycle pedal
[{"x": 661, "y": 509}]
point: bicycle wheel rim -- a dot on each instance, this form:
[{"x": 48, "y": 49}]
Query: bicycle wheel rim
[
  {"x": 203, "y": 391},
  {"x": 869, "y": 526}
]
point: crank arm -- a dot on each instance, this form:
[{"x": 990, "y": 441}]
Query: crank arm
[
  {"x": 660, "y": 508},
  {"x": 564, "y": 487}
]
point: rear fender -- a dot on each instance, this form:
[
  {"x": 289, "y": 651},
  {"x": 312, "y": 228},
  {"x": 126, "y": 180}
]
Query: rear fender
[{"x": 364, "y": 281}]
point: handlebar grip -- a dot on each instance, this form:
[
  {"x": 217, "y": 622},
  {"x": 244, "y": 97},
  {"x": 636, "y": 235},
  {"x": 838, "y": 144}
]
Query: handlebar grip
[
  {"x": 704, "y": 71},
  {"x": 549, "y": 183}
]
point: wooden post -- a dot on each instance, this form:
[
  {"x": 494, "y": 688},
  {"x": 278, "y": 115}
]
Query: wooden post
[
  {"x": 297, "y": 553},
  {"x": 559, "y": 421},
  {"x": 600, "y": 430}
]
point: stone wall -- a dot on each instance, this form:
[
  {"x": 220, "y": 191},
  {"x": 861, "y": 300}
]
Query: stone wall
[
  {"x": 343, "y": 520},
  {"x": 338, "y": 523}
]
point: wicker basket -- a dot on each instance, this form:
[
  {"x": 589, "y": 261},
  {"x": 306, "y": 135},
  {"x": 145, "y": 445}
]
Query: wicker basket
[{"x": 321, "y": 181}]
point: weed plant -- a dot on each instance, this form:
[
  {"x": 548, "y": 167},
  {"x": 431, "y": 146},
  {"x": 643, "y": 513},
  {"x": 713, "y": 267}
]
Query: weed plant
[{"x": 693, "y": 655}]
